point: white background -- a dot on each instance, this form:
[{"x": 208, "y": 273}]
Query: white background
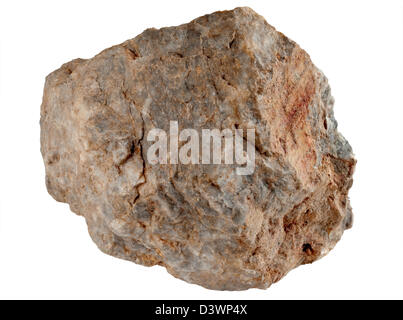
[{"x": 45, "y": 251}]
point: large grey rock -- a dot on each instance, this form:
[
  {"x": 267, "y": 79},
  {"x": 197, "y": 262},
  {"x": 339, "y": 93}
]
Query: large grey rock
[{"x": 204, "y": 223}]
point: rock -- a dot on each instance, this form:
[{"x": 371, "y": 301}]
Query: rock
[{"x": 204, "y": 222}]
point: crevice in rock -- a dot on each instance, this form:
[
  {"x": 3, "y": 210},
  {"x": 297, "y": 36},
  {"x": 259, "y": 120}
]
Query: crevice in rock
[{"x": 132, "y": 52}]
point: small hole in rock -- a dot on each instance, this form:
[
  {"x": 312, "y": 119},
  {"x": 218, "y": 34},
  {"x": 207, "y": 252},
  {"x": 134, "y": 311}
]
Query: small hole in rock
[{"x": 307, "y": 248}]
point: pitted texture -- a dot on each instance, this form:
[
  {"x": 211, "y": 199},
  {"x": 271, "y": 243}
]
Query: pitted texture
[{"x": 204, "y": 223}]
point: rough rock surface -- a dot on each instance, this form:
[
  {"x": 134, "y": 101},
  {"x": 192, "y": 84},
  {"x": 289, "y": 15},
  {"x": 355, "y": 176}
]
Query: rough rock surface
[{"x": 204, "y": 223}]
